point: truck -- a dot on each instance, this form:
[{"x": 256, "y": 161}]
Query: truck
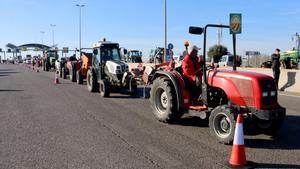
[{"x": 107, "y": 72}]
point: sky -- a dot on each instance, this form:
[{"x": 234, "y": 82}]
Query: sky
[{"x": 139, "y": 24}]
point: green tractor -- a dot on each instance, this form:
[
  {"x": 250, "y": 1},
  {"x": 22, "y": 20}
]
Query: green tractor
[
  {"x": 290, "y": 59},
  {"x": 49, "y": 59}
]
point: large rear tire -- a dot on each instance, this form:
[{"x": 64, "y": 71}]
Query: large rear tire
[
  {"x": 64, "y": 73},
  {"x": 163, "y": 101},
  {"x": 104, "y": 88},
  {"x": 60, "y": 71},
  {"x": 73, "y": 73},
  {"x": 47, "y": 67},
  {"x": 79, "y": 77},
  {"x": 222, "y": 124},
  {"x": 91, "y": 80}
]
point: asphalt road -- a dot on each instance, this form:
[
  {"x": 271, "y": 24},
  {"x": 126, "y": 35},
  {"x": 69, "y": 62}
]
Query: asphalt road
[{"x": 44, "y": 125}]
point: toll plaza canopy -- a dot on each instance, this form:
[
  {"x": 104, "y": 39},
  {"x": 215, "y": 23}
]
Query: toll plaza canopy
[{"x": 35, "y": 45}]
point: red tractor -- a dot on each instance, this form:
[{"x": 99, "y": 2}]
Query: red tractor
[
  {"x": 69, "y": 68},
  {"x": 82, "y": 67},
  {"x": 225, "y": 93}
]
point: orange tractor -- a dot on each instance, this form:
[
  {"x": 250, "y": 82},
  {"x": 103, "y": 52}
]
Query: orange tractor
[{"x": 82, "y": 67}]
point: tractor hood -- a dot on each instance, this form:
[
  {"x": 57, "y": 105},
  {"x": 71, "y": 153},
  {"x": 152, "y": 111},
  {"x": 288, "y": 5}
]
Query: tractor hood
[
  {"x": 243, "y": 88},
  {"x": 116, "y": 67},
  {"x": 236, "y": 74}
]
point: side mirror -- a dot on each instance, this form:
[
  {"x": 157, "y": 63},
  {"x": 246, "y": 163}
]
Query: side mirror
[
  {"x": 195, "y": 30},
  {"x": 125, "y": 51},
  {"x": 95, "y": 52},
  {"x": 141, "y": 53}
]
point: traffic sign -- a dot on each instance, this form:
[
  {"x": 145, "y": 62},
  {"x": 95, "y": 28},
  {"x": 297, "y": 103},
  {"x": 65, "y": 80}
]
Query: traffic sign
[
  {"x": 235, "y": 23},
  {"x": 170, "y": 46},
  {"x": 65, "y": 50}
]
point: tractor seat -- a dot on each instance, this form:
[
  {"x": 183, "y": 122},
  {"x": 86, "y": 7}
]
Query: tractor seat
[{"x": 179, "y": 70}]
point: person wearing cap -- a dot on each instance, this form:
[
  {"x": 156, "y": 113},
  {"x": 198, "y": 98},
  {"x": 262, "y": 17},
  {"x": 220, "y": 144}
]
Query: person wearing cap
[
  {"x": 276, "y": 66},
  {"x": 191, "y": 67}
]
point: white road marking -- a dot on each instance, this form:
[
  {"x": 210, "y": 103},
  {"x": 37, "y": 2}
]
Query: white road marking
[{"x": 282, "y": 94}]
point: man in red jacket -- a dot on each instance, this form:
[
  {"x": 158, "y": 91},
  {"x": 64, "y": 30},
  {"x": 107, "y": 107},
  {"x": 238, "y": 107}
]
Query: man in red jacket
[{"x": 192, "y": 71}]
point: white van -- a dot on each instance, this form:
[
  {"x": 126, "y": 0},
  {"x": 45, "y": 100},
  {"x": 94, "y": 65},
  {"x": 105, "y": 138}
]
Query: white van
[{"x": 226, "y": 60}]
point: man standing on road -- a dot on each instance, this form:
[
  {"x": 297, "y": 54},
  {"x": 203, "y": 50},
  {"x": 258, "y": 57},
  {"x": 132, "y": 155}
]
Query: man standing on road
[{"x": 276, "y": 66}]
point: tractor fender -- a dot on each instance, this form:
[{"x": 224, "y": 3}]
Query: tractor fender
[{"x": 177, "y": 86}]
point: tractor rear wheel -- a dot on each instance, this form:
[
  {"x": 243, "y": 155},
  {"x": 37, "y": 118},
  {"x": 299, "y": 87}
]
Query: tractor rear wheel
[
  {"x": 73, "y": 73},
  {"x": 222, "y": 124},
  {"x": 91, "y": 80},
  {"x": 47, "y": 67},
  {"x": 104, "y": 88},
  {"x": 64, "y": 73},
  {"x": 163, "y": 101},
  {"x": 79, "y": 77},
  {"x": 60, "y": 73}
]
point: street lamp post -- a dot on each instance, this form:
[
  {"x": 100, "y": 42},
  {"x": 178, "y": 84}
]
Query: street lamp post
[
  {"x": 52, "y": 25},
  {"x": 165, "y": 51},
  {"x": 42, "y": 32},
  {"x": 80, "y": 6}
]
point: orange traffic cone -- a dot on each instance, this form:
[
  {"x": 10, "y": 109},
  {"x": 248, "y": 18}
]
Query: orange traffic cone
[
  {"x": 238, "y": 155},
  {"x": 56, "y": 81}
]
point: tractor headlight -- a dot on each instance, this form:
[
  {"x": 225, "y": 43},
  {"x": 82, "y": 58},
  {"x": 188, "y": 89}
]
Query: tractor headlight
[
  {"x": 127, "y": 68},
  {"x": 273, "y": 93},
  {"x": 265, "y": 94},
  {"x": 118, "y": 67}
]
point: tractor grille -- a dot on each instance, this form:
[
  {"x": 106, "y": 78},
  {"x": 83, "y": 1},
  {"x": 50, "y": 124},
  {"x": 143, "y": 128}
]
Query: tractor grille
[
  {"x": 123, "y": 67},
  {"x": 268, "y": 86}
]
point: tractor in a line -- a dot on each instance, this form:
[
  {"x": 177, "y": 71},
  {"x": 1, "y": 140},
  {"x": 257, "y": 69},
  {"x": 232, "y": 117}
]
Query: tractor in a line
[
  {"x": 82, "y": 67},
  {"x": 48, "y": 60},
  {"x": 224, "y": 95},
  {"x": 108, "y": 73}
]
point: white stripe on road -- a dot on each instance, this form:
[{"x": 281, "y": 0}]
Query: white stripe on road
[
  {"x": 288, "y": 95},
  {"x": 239, "y": 134}
]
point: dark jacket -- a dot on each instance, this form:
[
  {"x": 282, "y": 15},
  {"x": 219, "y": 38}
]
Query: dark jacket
[{"x": 275, "y": 61}]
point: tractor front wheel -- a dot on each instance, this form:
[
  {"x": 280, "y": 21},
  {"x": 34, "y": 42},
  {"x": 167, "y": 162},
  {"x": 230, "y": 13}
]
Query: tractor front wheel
[
  {"x": 163, "y": 101},
  {"x": 79, "y": 77},
  {"x": 222, "y": 124},
  {"x": 73, "y": 73},
  {"x": 270, "y": 127},
  {"x": 132, "y": 87},
  {"x": 91, "y": 80},
  {"x": 104, "y": 88}
]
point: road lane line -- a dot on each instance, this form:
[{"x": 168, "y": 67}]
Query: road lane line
[{"x": 288, "y": 95}]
